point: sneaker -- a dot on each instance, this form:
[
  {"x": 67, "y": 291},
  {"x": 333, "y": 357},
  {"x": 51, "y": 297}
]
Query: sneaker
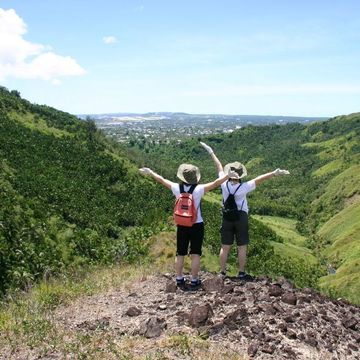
[
  {"x": 245, "y": 277},
  {"x": 180, "y": 282},
  {"x": 195, "y": 284}
]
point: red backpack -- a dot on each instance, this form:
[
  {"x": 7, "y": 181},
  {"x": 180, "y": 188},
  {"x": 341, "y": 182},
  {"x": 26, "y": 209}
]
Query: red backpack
[{"x": 185, "y": 212}]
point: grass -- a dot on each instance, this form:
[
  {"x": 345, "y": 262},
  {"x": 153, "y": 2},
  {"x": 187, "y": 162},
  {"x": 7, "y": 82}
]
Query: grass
[
  {"x": 29, "y": 330},
  {"x": 286, "y": 228},
  {"x": 330, "y": 167},
  {"x": 345, "y": 283},
  {"x": 36, "y": 123},
  {"x": 342, "y": 233},
  {"x": 294, "y": 252}
]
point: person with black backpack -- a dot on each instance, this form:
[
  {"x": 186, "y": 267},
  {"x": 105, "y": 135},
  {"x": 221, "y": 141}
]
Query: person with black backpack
[
  {"x": 235, "y": 210},
  {"x": 188, "y": 217}
]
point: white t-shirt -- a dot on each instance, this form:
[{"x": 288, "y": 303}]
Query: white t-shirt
[
  {"x": 198, "y": 193},
  {"x": 240, "y": 195}
]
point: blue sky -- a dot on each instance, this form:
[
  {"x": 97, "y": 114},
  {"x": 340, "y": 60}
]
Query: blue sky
[{"x": 232, "y": 57}]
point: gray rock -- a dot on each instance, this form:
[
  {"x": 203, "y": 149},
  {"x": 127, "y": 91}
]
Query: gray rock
[
  {"x": 152, "y": 327},
  {"x": 199, "y": 314},
  {"x": 133, "y": 311},
  {"x": 275, "y": 290},
  {"x": 214, "y": 284},
  {"x": 289, "y": 298}
]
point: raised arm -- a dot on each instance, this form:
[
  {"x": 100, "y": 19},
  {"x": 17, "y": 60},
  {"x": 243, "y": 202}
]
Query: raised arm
[
  {"x": 157, "y": 177},
  {"x": 220, "y": 180},
  {"x": 278, "y": 172},
  {"x": 217, "y": 162}
]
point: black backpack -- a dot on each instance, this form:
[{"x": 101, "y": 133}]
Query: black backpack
[{"x": 229, "y": 210}]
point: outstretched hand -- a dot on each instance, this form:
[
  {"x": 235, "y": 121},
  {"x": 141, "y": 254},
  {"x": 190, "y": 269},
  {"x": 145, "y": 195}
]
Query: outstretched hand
[
  {"x": 207, "y": 147},
  {"x": 279, "y": 172},
  {"x": 233, "y": 174},
  {"x": 145, "y": 171}
]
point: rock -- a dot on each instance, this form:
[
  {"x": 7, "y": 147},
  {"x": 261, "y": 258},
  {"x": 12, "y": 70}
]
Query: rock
[
  {"x": 357, "y": 338},
  {"x": 228, "y": 289},
  {"x": 353, "y": 347},
  {"x": 162, "y": 307},
  {"x": 304, "y": 299},
  {"x": 256, "y": 329},
  {"x": 152, "y": 327},
  {"x": 289, "y": 298},
  {"x": 170, "y": 287},
  {"x": 275, "y": 290},
  {"x": 289, "y": 318},
  {"x": 214, "y": 284},
  {"x": 282, "y": 327},
  {"x": 285, "y": 283},
  {"x": 182, "y": 316},
  {"x": 278, "y": 308},
  {"x": 306, "y": 317},
  {"x": 349, "y": 323},
  {"x": 199, "y": 314},
  {"x": 291, "y": 334},
  {"x": 268, "y": 349},
  {"x": 96, "y": 324},
  {"x": 133, "y": 311},
  {"x": 239, "y": 317},
  {"x": 301, "y": 336},
  {"x": 289, "y": 351},
  {"x": 253, "y": 349},
  {"x": 216, "y": 328},
  {"x": 310, "y": 338},
  {"x": 269, "y": 309}
]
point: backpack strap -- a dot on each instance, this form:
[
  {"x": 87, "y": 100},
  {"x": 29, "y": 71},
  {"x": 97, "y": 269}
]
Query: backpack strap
[
  {"x": 242, "y": 204},
  {"x": 227, "y": 185},
  {"x": 190, "y": 191}
]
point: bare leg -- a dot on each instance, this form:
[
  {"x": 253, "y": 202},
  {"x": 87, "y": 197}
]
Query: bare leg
[
  {"x": 224, "y": 253},
  {"x": 242, "y": 257},
  {"x": 179, "y": 265},
  {"x": 195, "y": 266}
]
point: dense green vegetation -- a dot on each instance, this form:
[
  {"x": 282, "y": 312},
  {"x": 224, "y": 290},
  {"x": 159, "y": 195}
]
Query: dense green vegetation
[{"x": 68, "y": 197}]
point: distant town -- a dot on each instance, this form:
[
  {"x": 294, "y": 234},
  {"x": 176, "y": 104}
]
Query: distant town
[{"x": 123, "y": 127}]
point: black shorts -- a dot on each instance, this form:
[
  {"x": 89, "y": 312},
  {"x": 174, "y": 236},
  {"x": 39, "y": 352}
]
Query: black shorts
[
  {"x": 193, "y": 235},
  {"x": 238, "y": 229}
]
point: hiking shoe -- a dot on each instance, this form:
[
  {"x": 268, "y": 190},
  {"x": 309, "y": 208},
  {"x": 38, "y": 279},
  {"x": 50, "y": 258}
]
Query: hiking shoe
[
  {"x": 180, "y": 282},
  {"x": 222, "y": 274},
  {"x": 245, "y": 277},
  {"x": 195, "y": 284}
]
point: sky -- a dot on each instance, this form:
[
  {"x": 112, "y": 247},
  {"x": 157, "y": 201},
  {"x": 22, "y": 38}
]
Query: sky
[{"x": 279, "y": 57}]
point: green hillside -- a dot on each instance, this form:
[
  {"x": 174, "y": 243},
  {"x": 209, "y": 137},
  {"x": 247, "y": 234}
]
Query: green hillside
[
  {"x": 71, "y": 198},
  {"x": 305, "y": 209},
  {"x": 68, "y": 197}
]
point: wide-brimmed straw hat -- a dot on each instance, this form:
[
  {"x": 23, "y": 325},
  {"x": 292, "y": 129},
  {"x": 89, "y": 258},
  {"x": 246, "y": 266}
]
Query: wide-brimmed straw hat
[
  {"x": 236, "y": 166},
  {"x": 188, "y": 173}
]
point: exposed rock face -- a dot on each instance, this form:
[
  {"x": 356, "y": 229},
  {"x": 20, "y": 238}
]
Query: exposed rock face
[{"x": 265, "y": 319}]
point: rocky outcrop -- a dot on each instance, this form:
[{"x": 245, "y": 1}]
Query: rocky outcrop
[{"x": 265, "y": 319}]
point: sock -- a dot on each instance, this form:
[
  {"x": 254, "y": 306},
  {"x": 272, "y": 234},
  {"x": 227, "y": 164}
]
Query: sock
[{"x": 180, "y": 278}]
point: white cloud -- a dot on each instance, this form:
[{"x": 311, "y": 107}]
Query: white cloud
[
  {"x": 110, "y": 39},
  {"x": 23, "y": 59}
]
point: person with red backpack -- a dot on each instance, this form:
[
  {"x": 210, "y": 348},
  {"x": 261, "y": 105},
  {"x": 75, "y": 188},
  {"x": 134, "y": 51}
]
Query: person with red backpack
[
  {"x": 235, "y": 210},
  {"x": 188, "y": 217}
]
